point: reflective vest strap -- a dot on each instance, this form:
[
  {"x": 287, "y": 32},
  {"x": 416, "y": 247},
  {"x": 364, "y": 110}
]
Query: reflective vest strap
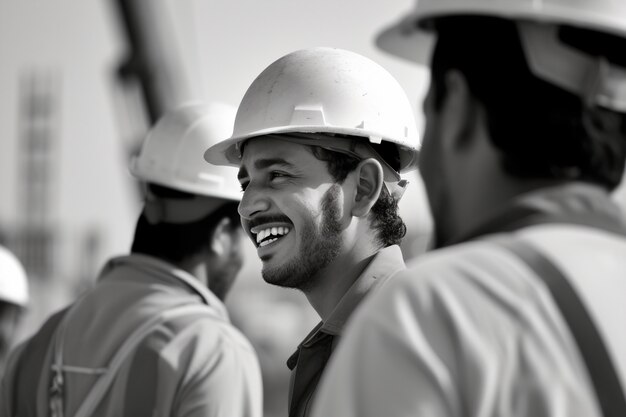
[
  {"x": 30, "y": 369},
  {"x": 129, "y": 346},
  {"x": 143, "y": 377},
  {"x": 601, "y": 370},
  {"x": 141, "y": 386}
]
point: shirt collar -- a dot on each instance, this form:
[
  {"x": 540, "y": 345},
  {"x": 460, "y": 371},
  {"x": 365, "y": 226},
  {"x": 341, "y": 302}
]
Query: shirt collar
[
  {"x": 165, "y": 271},
  {"x": 383, "y": 265}
]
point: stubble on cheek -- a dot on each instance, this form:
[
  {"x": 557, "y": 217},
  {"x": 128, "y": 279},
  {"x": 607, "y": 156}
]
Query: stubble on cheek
[{"x": 317, "y": 248}]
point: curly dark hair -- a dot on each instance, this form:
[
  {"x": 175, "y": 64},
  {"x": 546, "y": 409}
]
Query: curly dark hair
[
  {"x": 384, "y": 215},
  {"x": 541, "y": 131}
]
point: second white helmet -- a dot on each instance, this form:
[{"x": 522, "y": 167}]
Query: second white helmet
[
  {"x": 171, "y": 154},
  {"x": 13, "y": 282}
]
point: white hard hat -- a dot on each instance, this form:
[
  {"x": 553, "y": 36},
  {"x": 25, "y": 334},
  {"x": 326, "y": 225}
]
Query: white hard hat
[
  {"x": 592, "y": 78},
  {"x": 13, "y": 282},
  {"x": 171, "y": 154},
  {"x": 324, "y": 90}
]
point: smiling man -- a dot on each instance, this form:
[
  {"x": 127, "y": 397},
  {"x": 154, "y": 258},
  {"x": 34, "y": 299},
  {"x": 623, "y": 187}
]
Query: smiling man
[{"x": 320, "y": 139}]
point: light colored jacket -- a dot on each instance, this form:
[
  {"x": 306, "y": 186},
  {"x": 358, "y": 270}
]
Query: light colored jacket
[
  {"x": 470, "y": 330},
  {"x": 197, "y": 365}
]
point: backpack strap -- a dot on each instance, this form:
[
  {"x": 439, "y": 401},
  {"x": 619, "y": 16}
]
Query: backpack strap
[
  {"x": 143, "y": 375},
  {"x": 606, "y": 383},
  {"x": 142, "y": 379},
  {"x": 29, "y": 367},
  {"x": 102, "y": 385}
]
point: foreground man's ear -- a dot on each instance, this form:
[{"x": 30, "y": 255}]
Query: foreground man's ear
[{"x": 460, "y": 110}]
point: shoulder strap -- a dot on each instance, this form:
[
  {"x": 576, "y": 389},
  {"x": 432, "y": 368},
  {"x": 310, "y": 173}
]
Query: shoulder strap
[
  {"x": 100, "y": 388},
  {"x": 29, "y": 366},
  {"x": 143, "y": 376},
  {"x": 606, "y": 383},
  {"x": 140, "y": 398}
]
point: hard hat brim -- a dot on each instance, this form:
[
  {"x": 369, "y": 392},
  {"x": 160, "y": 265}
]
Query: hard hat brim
[
  {"x": 409, "y": 39},
  {"x": 405, "y": 39},
  {"x": 189, "y": 187},
  {"x": 227, "y": 152}
]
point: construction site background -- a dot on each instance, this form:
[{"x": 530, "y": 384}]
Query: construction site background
[{"x": 74, "y": 108}]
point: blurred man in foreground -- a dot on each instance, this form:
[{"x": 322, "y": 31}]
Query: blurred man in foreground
[{"x": 520, "y": 310}]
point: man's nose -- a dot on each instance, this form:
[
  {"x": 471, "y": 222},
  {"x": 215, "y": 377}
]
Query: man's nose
[{"x": 252, "y": 202}]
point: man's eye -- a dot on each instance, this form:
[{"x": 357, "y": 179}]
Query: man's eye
[
  {"x": 275, "y": 174},
  {"x": 244, "y": 185}
]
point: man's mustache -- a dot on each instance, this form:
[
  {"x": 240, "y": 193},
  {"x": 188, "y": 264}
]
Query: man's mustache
[{"x": 268, "y": 219}]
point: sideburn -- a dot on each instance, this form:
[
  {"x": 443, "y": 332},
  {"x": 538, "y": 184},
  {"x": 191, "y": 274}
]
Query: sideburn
[{"x": 330, "y": 209}]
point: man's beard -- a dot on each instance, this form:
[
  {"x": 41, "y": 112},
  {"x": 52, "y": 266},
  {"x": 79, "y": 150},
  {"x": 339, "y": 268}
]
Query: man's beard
[{"x": 319, "y": 247}]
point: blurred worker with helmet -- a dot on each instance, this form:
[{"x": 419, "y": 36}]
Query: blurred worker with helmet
[
  {"x": 321, "y": 138},
  {"x": 153, "y": 336},
  {"x": 520, "y": 310},
  {"x": 13, "y": 300}
]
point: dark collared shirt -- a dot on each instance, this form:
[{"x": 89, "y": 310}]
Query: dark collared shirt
[{"x": 309, "y": 360}]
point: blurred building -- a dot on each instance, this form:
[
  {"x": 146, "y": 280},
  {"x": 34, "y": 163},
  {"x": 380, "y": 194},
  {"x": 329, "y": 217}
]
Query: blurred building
[
  {"x": 34, "y": 232},
  {"x": 66, "y": 202}
]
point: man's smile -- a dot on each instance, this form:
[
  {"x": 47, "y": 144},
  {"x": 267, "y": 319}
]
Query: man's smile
[{"x": 264, "y": 235}]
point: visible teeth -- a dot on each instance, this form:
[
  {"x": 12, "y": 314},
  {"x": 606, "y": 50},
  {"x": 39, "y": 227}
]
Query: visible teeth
[
  {"x": 267, "y": 242},
  {"x": 270, "y": 231}
]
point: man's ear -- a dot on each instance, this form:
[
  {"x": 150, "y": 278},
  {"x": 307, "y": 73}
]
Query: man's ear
[
  {"x": 369, "y": 182},
  {"x": 221, "y": 237},
  {"x": 460, "y": 109}
]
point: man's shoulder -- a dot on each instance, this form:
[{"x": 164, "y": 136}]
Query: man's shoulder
[
  {"x": 487, "y": 257},
  {"x": 38, "y": 343},
  {"x": 482, "y": 274},
  {"x": 204, "y": 330},
  {"x": 26, "y": 365},
  {"x": 453, "y": 260},
  {"x": 478, "y": 275},
  {"x": 201, "y": 345}
]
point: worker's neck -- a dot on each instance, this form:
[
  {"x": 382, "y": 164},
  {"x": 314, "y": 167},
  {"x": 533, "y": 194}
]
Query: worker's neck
[
  {"x": 196, "y": 268},
  {"x": 334, "y": 281},
  {"x": 487, "y": 198}
]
